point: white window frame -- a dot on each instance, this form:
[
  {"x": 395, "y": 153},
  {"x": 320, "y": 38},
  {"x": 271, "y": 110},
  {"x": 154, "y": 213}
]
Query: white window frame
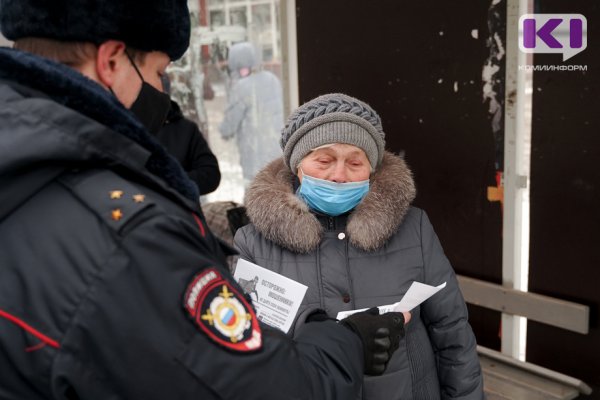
[{"x": 517, "y": 161}]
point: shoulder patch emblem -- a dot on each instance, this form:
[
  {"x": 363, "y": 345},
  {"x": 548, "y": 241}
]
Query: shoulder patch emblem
[{"x": 221, "y": 312}]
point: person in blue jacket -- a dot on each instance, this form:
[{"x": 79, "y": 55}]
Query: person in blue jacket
[{"x": 254, "y": 113}]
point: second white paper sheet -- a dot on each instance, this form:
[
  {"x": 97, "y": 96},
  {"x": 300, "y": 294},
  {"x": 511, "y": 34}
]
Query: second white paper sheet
[{"x": 417, "y": 293}]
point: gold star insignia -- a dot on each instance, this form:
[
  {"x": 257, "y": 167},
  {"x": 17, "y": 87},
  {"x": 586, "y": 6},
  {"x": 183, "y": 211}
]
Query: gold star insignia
[
  {"x": 116, "y": 194},
  {"x": 139, "y": 198},
  {"x": 116, "y": 214}
]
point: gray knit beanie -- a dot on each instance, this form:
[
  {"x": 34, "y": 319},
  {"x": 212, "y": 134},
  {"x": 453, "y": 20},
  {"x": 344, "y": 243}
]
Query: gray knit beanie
[{"x": 332, "y": 118}]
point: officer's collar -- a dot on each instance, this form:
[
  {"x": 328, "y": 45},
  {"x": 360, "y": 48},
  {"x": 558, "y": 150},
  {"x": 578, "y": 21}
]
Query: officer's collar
[{"x": 75, "y": 91}]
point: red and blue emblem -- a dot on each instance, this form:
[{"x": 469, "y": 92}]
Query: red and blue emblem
[{"x": 222, "y": 313}]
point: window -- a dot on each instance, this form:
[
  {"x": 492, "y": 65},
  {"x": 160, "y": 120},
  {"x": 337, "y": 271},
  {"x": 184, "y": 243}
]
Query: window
[{"x": 229, "y": 82}]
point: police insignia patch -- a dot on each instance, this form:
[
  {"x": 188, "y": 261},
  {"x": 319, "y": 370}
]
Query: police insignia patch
[{"x": 221, "y": 312}]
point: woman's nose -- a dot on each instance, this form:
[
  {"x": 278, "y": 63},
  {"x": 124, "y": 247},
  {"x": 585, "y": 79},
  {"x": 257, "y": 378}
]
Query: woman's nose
[{"x": 340, "y": 173}]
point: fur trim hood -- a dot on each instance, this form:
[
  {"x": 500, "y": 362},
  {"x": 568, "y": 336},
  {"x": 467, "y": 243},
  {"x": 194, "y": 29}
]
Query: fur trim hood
[{"x": 283, "y": 218}]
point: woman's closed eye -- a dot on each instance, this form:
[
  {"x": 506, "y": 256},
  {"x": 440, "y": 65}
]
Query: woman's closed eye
[{"x": 324, "y": 161}]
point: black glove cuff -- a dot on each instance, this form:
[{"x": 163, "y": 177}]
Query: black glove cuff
[{"x": 319, "y": 316}]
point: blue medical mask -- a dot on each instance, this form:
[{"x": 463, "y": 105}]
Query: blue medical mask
[{"x": 331, "y": 198}]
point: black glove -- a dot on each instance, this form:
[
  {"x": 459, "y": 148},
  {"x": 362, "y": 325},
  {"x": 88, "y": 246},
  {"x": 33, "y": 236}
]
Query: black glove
[{"x": 380, "y": 335}]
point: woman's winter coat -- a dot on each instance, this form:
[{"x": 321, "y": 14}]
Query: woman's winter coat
[{"x": 367, "y": 258}]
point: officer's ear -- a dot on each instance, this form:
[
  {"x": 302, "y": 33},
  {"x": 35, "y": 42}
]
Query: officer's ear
[
  {"x": 116, "y": 73},
  {"x": 111, "y": 61}
]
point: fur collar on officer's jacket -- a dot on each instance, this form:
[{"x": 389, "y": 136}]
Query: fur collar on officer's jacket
[
  {"x": 281, "y": 217},
  {"x": 73, "y": 90}
]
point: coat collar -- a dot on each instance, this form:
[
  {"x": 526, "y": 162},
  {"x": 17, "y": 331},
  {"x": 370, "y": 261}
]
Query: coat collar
[
  {"x": 73, "y": 90},
  {"x": 281, "y": 217}
]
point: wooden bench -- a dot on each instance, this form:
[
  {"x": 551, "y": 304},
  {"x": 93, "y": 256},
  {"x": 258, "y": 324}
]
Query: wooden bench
[{"x": 508, "y": 378}]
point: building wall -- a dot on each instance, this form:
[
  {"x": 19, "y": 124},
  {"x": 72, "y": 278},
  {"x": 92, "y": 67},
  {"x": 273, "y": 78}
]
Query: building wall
[
  {"x": 565, "y": 198},
  {"x": 419, "y": 64}
]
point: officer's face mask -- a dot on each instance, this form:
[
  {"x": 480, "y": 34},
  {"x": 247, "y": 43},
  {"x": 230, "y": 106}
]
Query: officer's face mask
[
  {"x": 151, "y": 105},
  {"x": 329, "y": 197}
]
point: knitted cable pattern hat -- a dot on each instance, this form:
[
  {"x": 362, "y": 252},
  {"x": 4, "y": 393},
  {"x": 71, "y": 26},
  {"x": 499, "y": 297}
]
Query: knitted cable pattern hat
[
  {"x": 147, "y": 25},
  {"x": 332, "y": 118}
]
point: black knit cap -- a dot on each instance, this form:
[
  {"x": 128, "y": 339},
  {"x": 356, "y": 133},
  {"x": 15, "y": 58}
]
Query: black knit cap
[{"x": 147, "y": 25}]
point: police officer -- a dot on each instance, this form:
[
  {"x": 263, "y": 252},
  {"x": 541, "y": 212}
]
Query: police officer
[{"x": 111, "y": 286}]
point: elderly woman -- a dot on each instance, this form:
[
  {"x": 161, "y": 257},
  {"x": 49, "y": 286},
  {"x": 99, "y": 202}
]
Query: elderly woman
[{"x": 334, "y": 214}]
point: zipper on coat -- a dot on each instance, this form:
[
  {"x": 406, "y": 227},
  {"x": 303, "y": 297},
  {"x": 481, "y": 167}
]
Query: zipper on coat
[
  {"x": 330, "y": 223},
  {"x": 350, "y": 287},
  {"x": 320, "y": 279}
]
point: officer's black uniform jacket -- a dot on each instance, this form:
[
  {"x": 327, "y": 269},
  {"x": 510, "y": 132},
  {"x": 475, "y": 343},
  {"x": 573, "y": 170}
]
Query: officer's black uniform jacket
[{"x": 100, "y": 235}]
